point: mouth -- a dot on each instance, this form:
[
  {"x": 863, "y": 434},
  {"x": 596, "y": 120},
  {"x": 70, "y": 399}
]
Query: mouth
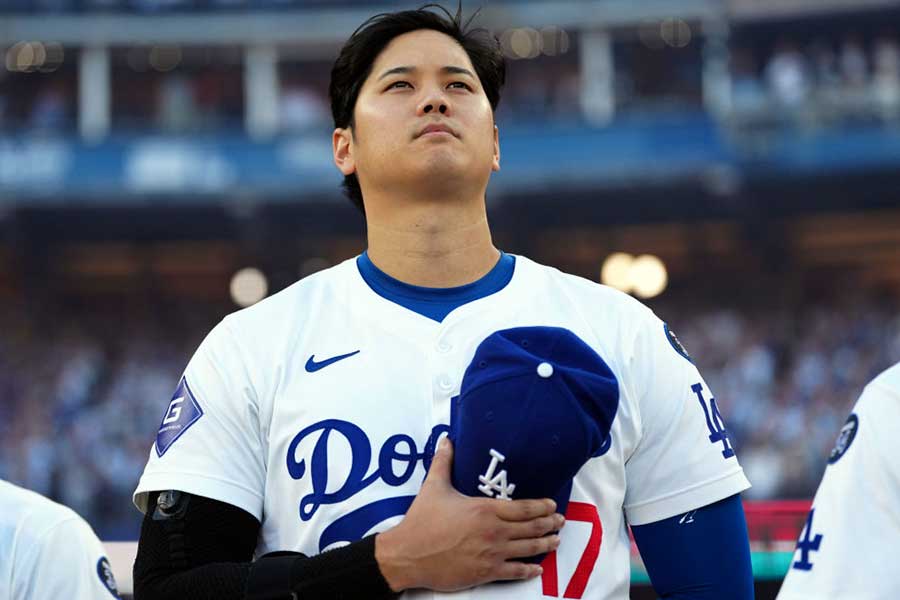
[{"x": 436, "y": 130}]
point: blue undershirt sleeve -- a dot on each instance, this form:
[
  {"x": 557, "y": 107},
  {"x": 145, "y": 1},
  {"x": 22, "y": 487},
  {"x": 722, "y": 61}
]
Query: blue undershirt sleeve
[{"x": 700, "y": 555}]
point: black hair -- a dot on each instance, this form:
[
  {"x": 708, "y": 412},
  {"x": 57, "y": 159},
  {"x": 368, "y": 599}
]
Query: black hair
[{"x": 354, "y": 63}]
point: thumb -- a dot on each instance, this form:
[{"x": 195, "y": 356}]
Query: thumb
[{"x": 442, "y": 463}]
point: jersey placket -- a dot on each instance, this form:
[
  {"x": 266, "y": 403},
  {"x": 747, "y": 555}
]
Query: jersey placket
[{"x": 445, "y": 374}]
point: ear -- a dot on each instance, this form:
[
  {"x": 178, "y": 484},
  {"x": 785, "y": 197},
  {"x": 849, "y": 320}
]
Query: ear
[
  {"x": 342, "y": 147},
  {"x": 495, "y": 166}
]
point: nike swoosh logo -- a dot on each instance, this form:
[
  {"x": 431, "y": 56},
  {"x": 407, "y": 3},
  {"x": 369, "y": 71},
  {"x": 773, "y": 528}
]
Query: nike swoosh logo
[{"x": 312, "y": 366}]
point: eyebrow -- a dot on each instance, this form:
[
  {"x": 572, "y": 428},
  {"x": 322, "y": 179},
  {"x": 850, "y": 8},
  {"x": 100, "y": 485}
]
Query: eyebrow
[{"x": 446, "y": 70}]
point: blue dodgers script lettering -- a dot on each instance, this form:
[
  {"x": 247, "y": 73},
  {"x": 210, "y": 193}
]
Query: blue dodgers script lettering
[{"x": 400, "y": 448}]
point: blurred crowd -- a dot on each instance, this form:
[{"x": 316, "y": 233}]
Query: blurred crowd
[
  {"x": 850, "y": 79},
  {"x": 83, "y": 393},
  {"x": 82, "y": 397},
  {"x": 788, "y": 378},
  {"x": 206, "y": 97}
]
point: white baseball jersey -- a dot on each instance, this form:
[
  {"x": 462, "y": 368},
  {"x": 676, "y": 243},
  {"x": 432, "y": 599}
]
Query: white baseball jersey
[
  {"x": 848, "y": 548},
  {"x": 48, "y": 551},
  {"x": 318, "y": 410}
]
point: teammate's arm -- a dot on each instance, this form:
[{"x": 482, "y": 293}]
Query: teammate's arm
[
  {"x": 700, "y": 555},
  {"x": 198, "y": 548},
  {"x": 67, "y": 561}
]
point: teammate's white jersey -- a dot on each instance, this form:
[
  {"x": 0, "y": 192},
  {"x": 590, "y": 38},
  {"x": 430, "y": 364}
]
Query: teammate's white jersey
[
  {"x": 47, "y": 551},
  {"x": 848, "y": 548},
  {"x": 318, "y": 410}
]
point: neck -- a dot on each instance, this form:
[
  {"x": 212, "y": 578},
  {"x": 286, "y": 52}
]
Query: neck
[{"x": 431, "y": 244}]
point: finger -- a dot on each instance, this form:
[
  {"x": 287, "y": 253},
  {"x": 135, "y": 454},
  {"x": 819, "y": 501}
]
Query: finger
[
  {"x": 535, "y": 528},
  {"x": 524, "y": 510},
  {"x": 441, "y": 464},
  {"x": 511, "y": 571},
  {"x": 532, "y": 547}
]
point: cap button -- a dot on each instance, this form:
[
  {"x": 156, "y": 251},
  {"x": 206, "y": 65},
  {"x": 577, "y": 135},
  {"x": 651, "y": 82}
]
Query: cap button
[{"x": 545, "y": 369}]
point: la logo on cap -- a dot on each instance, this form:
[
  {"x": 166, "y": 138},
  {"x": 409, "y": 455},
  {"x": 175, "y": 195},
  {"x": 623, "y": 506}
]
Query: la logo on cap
[{"x": 491, "y": 483}]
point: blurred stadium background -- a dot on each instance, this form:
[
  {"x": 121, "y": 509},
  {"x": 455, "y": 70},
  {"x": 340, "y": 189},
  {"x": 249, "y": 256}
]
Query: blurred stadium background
[{"x": 736, "y": 164}]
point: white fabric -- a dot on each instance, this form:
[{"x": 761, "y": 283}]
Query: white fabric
[
  {"x": 857, "y": 509},
  {"x": 250, "y": 379},
  {"x": 46, "y": 550}
]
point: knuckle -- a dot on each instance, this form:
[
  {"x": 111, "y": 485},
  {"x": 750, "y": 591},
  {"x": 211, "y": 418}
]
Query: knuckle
[
  {"x": 483, "y": 570},
  {"x": 491, "y": 534}
]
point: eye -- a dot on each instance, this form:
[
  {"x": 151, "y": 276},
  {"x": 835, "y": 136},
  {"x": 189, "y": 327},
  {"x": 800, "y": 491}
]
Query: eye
[
  {"x": 463, "y": 84},
  {"x": 398, "y": 83}
]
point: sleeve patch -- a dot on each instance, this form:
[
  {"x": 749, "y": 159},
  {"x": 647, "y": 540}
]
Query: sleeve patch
[
  {"x": 104, "y": 572},
  {"x": 845, "y": 438},
  {"x": 183, "y": 411},
  {"x": 676, "y": 343}
]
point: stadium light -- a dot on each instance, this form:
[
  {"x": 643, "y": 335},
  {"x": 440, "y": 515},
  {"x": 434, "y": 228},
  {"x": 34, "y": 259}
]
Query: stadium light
[
  {"x": 248, "y": 286},
  {"x": 25, "y": 57},
  {"x": 554, "y": 41},
  {"x": 645, "y": 276},
  {"x": 675, "y": 33},
  {"x": 615, "y": 271},
  {"x": 521, "y": 43},
  {"x": 648, "y": 276},
  {"x": 54, "y": 55}
]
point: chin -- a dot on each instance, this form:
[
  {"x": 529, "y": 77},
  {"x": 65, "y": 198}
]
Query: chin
[{"x": 443, "y": 166}]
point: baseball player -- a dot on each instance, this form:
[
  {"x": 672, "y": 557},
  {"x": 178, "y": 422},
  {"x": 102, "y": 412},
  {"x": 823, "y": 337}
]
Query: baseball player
[
  {"x": 845, "y": 548},
  {"x": 48, "y": 551},
  {"x": 290, "y": 461}
]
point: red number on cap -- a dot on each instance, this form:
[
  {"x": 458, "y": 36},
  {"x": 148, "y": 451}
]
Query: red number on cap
[{"x": 586, "y": 513}]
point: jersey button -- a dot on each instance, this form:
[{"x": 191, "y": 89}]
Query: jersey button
[
  {"x": 444, "y": 347},
  {"x": 445, "y": 383}
]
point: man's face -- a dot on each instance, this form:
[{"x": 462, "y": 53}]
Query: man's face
[{"x": 422, "y": 78}]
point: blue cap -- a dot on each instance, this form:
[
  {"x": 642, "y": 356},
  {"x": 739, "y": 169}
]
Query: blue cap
[{"x": 535, "y": 404}]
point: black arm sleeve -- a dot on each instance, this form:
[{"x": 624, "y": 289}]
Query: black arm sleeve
[
  {"x": 203, "y": 554},
  {"x": 205, "y": 551}
]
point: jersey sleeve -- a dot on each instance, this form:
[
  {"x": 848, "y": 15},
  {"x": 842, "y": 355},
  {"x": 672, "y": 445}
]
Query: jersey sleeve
[
  {"x": 684, "y": 458},
  {"x": 853, "y": 529},
  {"x": 209, "y": 442},
  {"x": 65, "y": 561}
]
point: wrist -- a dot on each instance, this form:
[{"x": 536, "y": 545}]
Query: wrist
[{"x": 395, "y": 569}]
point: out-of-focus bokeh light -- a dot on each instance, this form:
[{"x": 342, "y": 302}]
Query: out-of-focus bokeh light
[
  {"x": 554, "y": 41},
  {"x": 26, "y": 57},
  {"x": 675, "y": 33},
  {"x": 248, "y": 286},
  {"x": 524, "y": 42},
  {"x": 644, "y": 276},
  {"x": 615, "y": 271},
  {"x": 648, "y": 276},
  {"x": 671, "y": 33}
]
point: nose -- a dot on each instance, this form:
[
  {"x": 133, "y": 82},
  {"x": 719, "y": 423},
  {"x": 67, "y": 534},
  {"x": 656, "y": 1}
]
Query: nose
[
  {"x": 434, "y": 101},
  {"x": 441, "y": 108}
]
